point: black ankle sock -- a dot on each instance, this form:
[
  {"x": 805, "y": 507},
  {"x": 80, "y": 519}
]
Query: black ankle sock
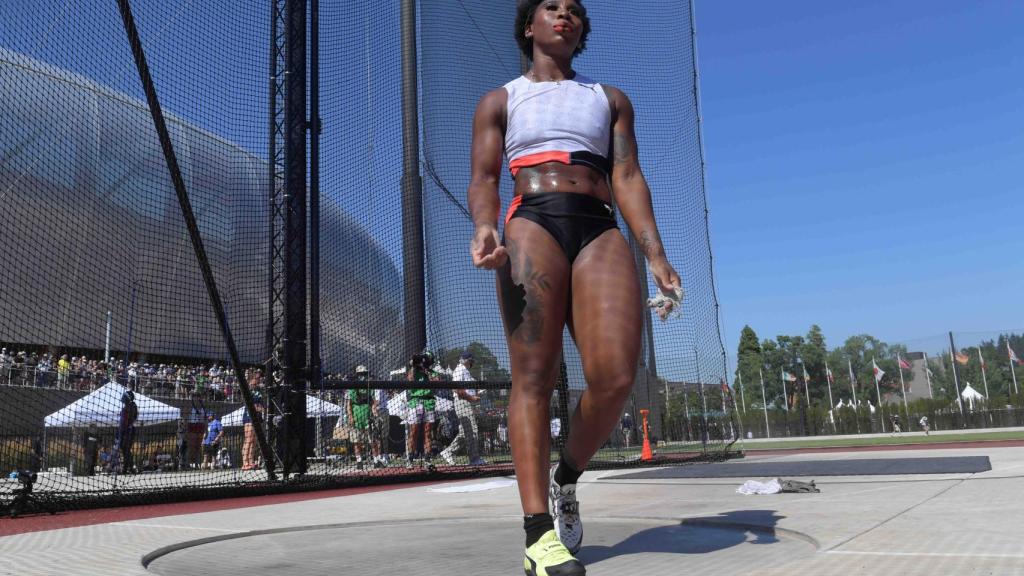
[
  {"x": 565, "y": 473},
  {"x": 536, "y": 525}
]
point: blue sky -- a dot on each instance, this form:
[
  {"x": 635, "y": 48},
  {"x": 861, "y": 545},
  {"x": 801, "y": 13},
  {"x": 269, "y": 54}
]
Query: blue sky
[
  {"x": 863, "y": 159},
  {"x": 865, "y": 165}
]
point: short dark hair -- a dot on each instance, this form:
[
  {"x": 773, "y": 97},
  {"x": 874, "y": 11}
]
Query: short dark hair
[{"x": 524, "y": 16}]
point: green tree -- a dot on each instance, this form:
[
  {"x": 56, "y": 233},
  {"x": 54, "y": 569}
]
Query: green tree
[
  {"x": 748, "y": 362},
  {"x": 813, "y": 353},
  {"x": 774, "y": 362},
  {"x": 860, "y": 350},
  {"x": 485, "y": 364}
]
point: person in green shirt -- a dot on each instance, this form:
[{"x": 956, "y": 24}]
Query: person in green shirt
[
  {"x": 421, "y": 404},
  {"x": 360, "y": 405}
]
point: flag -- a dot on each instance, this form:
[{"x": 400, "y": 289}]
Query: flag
[
  {"x": 929, "y": 371},
  {"x": 726, "y": 392},
  {"x": 807, "y": 377},
  {"x": 878, "y": 371},
  {"x": 903, "y": 363},
  {"x": 829, "y": 375},
  {"x": 962, "y": 358},
  {"x": 1013, "y": 357},
  {"x": 788, "y": 377}
]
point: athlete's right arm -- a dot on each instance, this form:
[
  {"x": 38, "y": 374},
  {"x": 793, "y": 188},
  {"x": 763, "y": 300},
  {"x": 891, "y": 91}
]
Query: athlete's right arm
[{"x": 484, "y": 202}]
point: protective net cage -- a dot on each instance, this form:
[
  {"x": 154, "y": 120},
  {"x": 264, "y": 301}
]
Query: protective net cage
[{"x": 116, "y": 384}]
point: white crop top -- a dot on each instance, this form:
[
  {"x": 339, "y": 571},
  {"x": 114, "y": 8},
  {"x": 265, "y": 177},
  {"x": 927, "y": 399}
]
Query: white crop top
[{"x": 567, "y": 121}]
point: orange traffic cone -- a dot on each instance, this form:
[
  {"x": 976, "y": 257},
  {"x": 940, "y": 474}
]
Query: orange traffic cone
[{"x": 645, "y": 454}]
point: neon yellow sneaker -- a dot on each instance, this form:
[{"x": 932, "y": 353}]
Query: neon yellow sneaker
[{"x": 549, "y": 557}]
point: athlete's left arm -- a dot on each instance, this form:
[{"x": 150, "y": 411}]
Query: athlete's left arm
[{"x": 632, "y": 194}]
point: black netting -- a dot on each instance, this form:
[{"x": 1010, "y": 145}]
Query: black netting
[
  {"x": 655, "y": 68},
  {"x": 101, "y": 290}
]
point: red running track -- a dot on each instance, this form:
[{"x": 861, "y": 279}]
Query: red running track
[{"x": 73, "y": 518}]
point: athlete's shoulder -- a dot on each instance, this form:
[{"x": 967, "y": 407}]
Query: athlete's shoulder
[
  {"x": 614, "y": 93},
  {"x": 497, "y": 95},
  {"x": 617, "y": 100},
  {"x": 493, "y": 104}
]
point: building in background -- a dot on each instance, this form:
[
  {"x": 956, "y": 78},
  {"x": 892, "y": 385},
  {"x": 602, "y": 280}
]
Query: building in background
[{"x": 90, "y": 223}]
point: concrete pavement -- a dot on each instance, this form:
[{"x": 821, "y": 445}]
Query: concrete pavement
[{"x": 934, "y": 524}]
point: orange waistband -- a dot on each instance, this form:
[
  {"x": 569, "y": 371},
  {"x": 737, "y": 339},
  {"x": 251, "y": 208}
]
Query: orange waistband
[{"x": 512, "y": 208}]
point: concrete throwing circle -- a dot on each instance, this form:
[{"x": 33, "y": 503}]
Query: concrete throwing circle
[{"x": 480, "y": 547}]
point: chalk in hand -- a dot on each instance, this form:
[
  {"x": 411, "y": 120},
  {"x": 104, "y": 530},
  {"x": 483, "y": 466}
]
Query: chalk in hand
[{"x": 666, "y": 305}]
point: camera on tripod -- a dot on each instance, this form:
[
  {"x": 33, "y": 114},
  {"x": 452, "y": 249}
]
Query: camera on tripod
[
  {"x": 422, "y": 362},
  {"x": 26, "y": 478},
  {"x": 24, "y": 500}
]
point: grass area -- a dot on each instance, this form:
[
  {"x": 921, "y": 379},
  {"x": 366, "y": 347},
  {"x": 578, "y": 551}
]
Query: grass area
[{"x": 935, "y": 438}]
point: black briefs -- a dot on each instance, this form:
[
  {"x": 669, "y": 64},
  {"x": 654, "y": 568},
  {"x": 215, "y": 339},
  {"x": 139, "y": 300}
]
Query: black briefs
[{"x": 573, "y": 220}]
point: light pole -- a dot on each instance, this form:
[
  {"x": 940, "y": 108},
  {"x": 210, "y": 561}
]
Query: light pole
[
  {"x": 807, "y": 399},
  {"x": 803, "y": 374}
]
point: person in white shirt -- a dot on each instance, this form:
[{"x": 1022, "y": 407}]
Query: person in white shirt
[
  {"x": 502, "y": 436},
  {"x": 556, "y": 428},
  {"x": 468, "y": 431},
  {"x": 380, "y": 428}
]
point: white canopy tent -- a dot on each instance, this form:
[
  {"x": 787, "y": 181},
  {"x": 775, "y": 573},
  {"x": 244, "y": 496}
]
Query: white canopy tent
[
  {"x": 103, "y": 408},
  {"x": 970, "y": 395},
  {"x": 315, "y": 408}
]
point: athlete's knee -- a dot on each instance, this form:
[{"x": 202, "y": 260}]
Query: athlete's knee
[
  {"x": 612, "y": 386},
  {"x": 533, "y": 384}
]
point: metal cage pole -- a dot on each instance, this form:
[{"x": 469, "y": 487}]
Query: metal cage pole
[
  {"x": 277, "y": 198},
  {"x": 294, "y": 360},
  {"x": 315, "y": 377},
  {"x": 412, "y": 192}
]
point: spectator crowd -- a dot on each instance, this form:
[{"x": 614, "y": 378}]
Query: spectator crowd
[
  {"x": 435, "y": 424},
  {"x": 44, "y": 370}
]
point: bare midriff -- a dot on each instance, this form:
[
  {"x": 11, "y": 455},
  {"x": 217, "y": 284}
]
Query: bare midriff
[{"x": 558, "y": 177}]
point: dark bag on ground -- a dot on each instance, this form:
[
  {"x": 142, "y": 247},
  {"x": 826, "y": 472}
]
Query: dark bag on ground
[{"x": 798, "y": 486}]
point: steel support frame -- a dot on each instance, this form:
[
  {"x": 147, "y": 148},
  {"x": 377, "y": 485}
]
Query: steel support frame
[{"x": 287, "y": 368}]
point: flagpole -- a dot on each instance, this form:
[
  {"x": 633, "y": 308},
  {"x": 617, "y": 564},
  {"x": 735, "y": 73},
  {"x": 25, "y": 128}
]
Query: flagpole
[
  {"x": 928, "y": 376},
  {"x": 1013, "y": 372},
  {"x": 903, "y": 387},
  {"x": 743, "y": 397},
  {"x": 853, "y": 390},
  {"x": 764, "y": 404},
  {"x": 878, "y": 392},
  {"x": 785, "y": 394},
  {"x": 828, "y": 377},
  {"x": 956, "y": 380},
  {"x": 853, "y": 384},
  {"x": 984, "y": 378},
  {"x": 831, "y": 404},
  {"x": 807, "y": 393}
]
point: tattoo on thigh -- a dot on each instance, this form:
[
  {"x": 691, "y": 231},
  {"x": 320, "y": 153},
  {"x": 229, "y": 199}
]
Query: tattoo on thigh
[
  {"x": 513, "y": 298},
  {"x": 523, "y": 291}
]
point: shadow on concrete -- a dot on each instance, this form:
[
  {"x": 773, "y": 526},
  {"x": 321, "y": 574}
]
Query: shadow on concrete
[{"x": 701, "y": 535}]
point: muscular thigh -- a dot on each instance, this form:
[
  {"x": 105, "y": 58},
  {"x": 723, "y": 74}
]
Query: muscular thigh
[
  {"x": 533, "y": 293},
  {"x": 606, "y": 307}
]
